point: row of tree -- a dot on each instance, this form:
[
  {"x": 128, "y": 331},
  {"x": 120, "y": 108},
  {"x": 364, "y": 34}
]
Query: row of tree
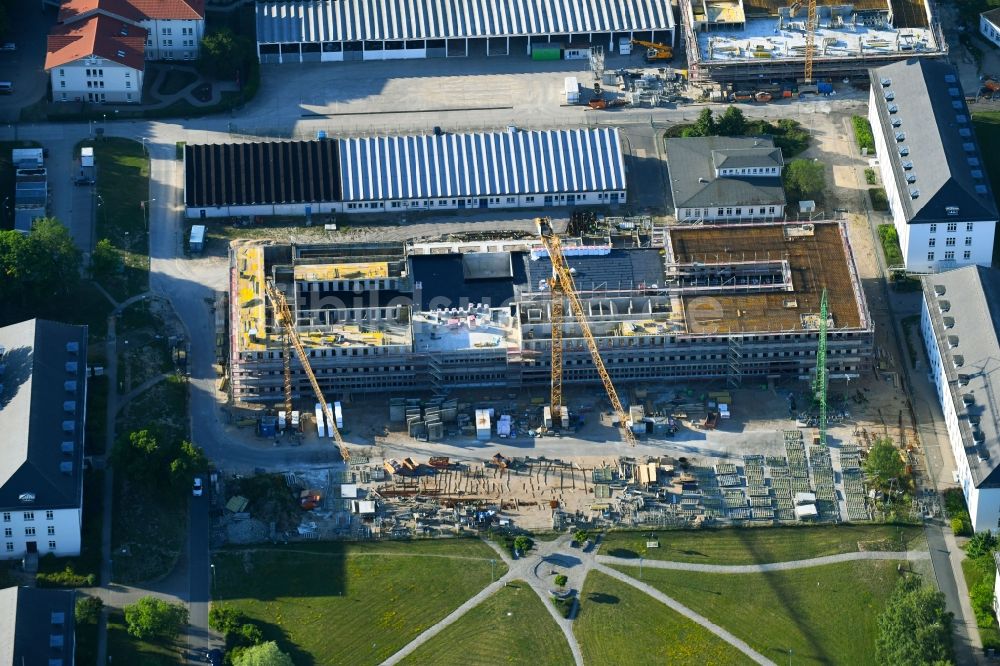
[
  {"x": 40, "y": 265},
  {"x": 150, "y": 460}
]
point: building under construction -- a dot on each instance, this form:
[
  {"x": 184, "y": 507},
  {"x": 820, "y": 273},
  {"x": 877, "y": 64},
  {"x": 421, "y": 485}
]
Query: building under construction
[
  {"x": 733, "y": 302},
  {"x": 764, "y": 41}
]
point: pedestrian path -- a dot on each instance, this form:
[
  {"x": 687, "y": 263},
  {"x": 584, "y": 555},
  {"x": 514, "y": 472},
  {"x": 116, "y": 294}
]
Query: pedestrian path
[{"x": 909, "y": 555}]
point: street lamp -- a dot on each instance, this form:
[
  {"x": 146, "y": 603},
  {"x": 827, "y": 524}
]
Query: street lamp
[
  {"x": 213, "y": 576},
  {"x": 145, "y": 212}
]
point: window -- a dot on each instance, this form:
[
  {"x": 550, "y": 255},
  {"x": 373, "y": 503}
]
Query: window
[
  {"x": 952, "y": 226},
  {"x": 62, "y": 84},
  {"x": 128, "y": 75},
  {"x": 968, "y": 226},
  {"x": 949, "y": 256},
  {"x": 62, "y": 72},
  {"x": 10, "y": 547},
  {"x": 52, "y": 530},
  {"x": 949, "y": 242},
  {"x": 52, "y": 545},
  {"x": 933, "y": 228},
  {"x": 29, "y": 515},
  {"x": 771, "y": 210},
  {"x": 967, "y": 255},
  {"x": 100, "y": 72},
  {"x": 968, "y": 241},
  {"x": 29, "y": 531},
  {"x": 721, "y": 212},
  {"x": 6, "y": 516},
  {"x": 168, "y": 42},
  {"x": 931, "y": 242},
  {"x": 930, "y": 256},
  {"x": 49, "y": 515},
  {"x": 166, "y": 31},
  {"x": 8, "y": 532},
  {"x": 102, "y": 83}
]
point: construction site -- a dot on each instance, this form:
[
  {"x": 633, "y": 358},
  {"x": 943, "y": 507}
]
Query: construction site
[{"x": 744, "y": 41}]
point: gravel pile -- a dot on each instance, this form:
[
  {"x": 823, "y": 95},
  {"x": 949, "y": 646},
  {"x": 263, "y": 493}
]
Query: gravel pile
[{"x": 247, "y": 531}]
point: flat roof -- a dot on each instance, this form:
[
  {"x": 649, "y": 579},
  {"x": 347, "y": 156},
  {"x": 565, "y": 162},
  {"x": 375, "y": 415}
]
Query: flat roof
[
  {"x": 378, "y": 20},
  {"x": 815, "y": 260},
  {"x": 921, "y": 109},
  {"x": 971, "y": 296}
]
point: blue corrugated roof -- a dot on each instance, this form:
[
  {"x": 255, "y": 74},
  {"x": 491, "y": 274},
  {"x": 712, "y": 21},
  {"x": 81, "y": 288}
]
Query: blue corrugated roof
[
  {"x": 473, "y": 165},
  {"x": 357, "y": 20}
]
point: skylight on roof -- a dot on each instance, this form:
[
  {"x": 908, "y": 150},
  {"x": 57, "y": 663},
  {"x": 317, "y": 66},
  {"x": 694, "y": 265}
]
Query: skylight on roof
[
  {"x": 954, "y": 92},
  {"x": 950, "y": 78},
  {"x": 904, "y": 151},
  {"x": 969, "y": 147},
  {"x": 956, "y": 104},
  {"x": 973, "y": 161},
  {"x": 980, "y": 189},
  {"x": 889, "y": 95}
]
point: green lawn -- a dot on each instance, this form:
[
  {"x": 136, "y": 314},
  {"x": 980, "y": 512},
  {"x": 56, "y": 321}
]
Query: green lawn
[
  {"x": 122, "y": 185},
  {"x": 351, "y": 603},
  {"x": 176, "y": 80},
  {"x": 973, "y": 576},
  {"x": 512, "y": 627},
  {"x": 751, "y": 545},
  {"x": 618, "y": 624},
  {"x": 987, "y": 126},
  {"x": 124, "y": 649},
  {"x": 825, "y": 615}
]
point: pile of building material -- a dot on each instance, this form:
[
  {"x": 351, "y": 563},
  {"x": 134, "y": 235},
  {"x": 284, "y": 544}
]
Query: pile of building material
[
  {"x": 854, "y": 487},
  {"x": 422, "y": 420}
]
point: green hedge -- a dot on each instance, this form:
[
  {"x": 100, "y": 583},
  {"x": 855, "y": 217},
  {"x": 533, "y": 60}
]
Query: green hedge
[
  {"x": 863, "y": 134},
  {"x": 65, "y": 578},
  {"x": 890, "y": 244},
  {"x": 880, "y": 201}
]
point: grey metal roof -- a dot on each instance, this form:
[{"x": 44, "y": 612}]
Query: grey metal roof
[
  {"x": 935, "y": 129},
  {"x": 377, "y": 20},
  {"x": 37, "y": 626},
  {"x": 690, "y": 163},
  {"x": 993, "y": 16},
  {"x": 741, "y": 158},
  {"x": 472, "y": 165},
  {"x": 972, "y": 300},
  {"x": 42, "y": 409}
]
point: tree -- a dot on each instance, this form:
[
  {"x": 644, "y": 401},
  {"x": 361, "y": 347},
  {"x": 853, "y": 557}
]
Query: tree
[
  {"x": 884, "y": 463},
  {"x": 732, "y": 123},
  {"x": 805, "y": 180},
  {"x": 561, "y": 580},
  {"x": 105, "y": 261},
  {"x": 39, "y": 265},
  {"x": 224, "y": 619},
  {"x": 151, "y": 617},
  {"x": 981, "y": 544},
  {"x": 580, "y": 536},
  {"x": 139, "y": 456},
  {"x": 224, "y": 53},
  {"x": 251, "y": 634},
  {"x": 88, "y": 610},
  {"x": 523, "y": 544},
  {"x": 705, "y": 125},
  {"x": 914, "y": 628},
  {"x": 265, "y": 654},
  {"x": 189, "y": 461}
]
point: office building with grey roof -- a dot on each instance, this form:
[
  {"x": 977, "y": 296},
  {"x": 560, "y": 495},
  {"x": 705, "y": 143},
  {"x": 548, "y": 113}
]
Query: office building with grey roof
[
  {"x": 959, "y": 322},
  {"x": 43, "y": 400},
  {"x": 37, "y": 627},
  {"x": 939, "y": 193},
  {"x": 729, "y": 179}
]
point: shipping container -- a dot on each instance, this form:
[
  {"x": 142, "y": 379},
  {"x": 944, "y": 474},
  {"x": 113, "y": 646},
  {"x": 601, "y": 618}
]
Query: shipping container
[
  {"x": 197, "y": 242},
  {"x": 547, "y": 51},
  {"x": 320, "y": 426},
  {"x": 572, "y": 89}
]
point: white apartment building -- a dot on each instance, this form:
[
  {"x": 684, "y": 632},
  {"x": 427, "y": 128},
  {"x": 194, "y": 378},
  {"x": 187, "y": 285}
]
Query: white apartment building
[
  {"x": 939, "y": 195},
  {"x": 989, "y": 26},
  {"x": 43, "y": 399},
  {"x": 959, "y": 319},
  {"x": 174, "y": 28},
  {"x": 718, "y": 178},
  {"x": 96, "y": 60}
]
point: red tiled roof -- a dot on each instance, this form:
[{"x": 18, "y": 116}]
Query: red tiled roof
[
  {"x": 134, "y": 10},
  {"x": 100, "y": 36}
]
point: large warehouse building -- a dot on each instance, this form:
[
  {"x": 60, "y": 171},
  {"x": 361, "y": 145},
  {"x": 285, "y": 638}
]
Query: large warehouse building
[
  {"x": 754, "y": 42},
  {"x": 730, "y": 302},
  {"x": 338, "y": 30},
  {"x": 366, "y": 175}
]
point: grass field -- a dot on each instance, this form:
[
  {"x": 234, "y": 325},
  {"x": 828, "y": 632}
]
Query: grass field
[
  {"x": 125, "y": 649},
  {"x": 618, "y": 624},
  {"x": 987, "y": 126},
  {"x": 356, "y": 603},
  {"x": 825, "y": 615},
  {"x": 122, "y": 186},
  {"x": 750, "y": 546},
  {"x": 511, "y": 627}
]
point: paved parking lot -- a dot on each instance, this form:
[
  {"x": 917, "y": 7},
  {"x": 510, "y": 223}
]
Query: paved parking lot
[{"x": 24, "y": 67}]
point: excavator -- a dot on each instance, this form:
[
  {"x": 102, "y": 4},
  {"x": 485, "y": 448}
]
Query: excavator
[{"x": 655, "y": 52}]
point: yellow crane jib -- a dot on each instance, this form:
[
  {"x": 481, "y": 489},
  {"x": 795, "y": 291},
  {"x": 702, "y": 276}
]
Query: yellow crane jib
[
  {"x": 655, "y": 51},
  {"x": 567, "y": 288},
  {"x": 283, "y": 316}
]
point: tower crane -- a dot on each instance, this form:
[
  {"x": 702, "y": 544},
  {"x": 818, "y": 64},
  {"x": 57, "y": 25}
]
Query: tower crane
[
  {"x": 283, "y": 316},
  {"x": 810, "y": 41},
  {"x": 567, "y": 289}
]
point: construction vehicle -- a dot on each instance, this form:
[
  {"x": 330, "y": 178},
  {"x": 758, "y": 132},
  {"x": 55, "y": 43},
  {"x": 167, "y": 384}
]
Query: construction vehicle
[
  {"x": 655, "y": 52},
  {"x": 563, "y": 287},
  {"x": 601, "y": 104},
  {"x": 283, "y": 316}
]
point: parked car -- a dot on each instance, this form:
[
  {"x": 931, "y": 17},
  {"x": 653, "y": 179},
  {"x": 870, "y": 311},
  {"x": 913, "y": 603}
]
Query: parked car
[
  {"x": 81, "y": 181},
  {"x": 8, "y": 46},
  {"x": 198, "y": 489},
  {"x": 6, "y": 88}
]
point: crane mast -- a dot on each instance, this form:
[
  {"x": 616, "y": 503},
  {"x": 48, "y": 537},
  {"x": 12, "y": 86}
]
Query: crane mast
[
  {"x": 283, "y": 316},
  {"x": 810, "y": 40},
  {"x": 567, "y": 288}
]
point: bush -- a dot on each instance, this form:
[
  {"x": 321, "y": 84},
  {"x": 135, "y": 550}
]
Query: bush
[
  {"x": 251, "y": 634},
  {"x": 982, "y": 544},
  {"x": 870, "y": 176},
  {"x": 981, "y": 598},
  {"x": 224, "y": 619},
  {"x": 863, "y": 134},
  {"x": 151, "y": 617},
  {"x": 890, "y": 244},
  {"x": 564, "y": 606},
  {"x": 65, "y": 578},
  {"x": 88, "y": 610},
  {"x": 561, "y": 580},
  {"x": 880, "y": 201},
  {"x": 958, "y": 526},
  {"x": 805, "y": 180}
]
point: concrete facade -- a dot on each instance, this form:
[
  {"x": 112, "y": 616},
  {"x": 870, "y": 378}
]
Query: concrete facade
[{"x": 96, "y": 79}]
